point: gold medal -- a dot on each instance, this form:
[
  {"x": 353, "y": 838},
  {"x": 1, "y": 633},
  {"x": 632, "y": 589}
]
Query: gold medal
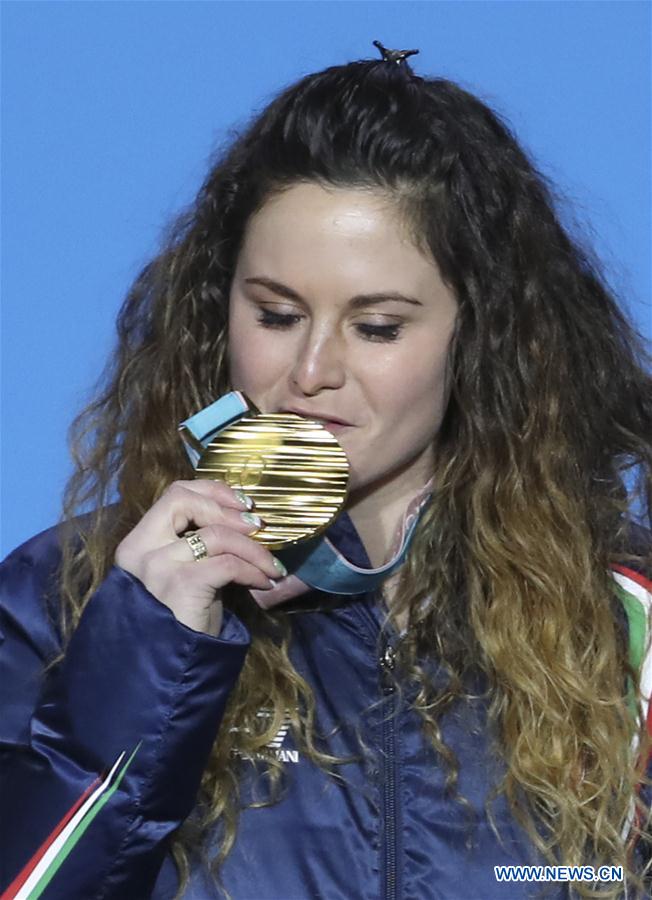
[{"x": 293, "y": 468}]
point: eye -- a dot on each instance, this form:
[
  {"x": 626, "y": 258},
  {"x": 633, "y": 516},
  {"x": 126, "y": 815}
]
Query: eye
[
  {"x": 380, "y": 332},
  {"x": 271, "y": 319}
]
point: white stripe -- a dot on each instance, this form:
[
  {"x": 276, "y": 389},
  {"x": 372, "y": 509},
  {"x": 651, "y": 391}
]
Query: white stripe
[
  {"x": 281, "y": 734},
  {"x": 280, "y": 737},
  {"x": 56, "y": 846}
]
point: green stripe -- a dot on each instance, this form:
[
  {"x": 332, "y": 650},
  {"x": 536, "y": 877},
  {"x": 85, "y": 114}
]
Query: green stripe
[
  {"x": 637, "y": 626},
  {"x": 637, "y": 621},
  {"x": 74, "y": 838}
]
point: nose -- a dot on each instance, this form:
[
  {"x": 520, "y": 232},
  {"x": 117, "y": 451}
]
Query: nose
[{"x": 320, "y": 363}]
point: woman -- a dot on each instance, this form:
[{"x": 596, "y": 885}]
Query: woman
[{"x": 376, "y": 248}]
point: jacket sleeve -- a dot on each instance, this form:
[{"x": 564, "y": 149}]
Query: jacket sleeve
[{"x": 132, "y": 677}]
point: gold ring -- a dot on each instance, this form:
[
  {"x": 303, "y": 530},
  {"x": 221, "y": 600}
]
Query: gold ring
[{"x": 197, "y": 546}]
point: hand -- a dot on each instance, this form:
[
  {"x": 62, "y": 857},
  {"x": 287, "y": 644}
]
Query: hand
[{"x": 155, "y": 553}]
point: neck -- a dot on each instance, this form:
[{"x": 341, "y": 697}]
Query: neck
[{"x": 378, "y": 511}]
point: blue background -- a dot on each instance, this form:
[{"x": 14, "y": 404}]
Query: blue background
[{"x": 111, "y": 111}]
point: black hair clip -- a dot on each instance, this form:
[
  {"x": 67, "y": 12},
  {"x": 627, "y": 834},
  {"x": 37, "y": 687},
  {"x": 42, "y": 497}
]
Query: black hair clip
[{"x": 394, "y": 56}]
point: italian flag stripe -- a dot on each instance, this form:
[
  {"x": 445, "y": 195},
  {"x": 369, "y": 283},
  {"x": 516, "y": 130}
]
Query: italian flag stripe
[
  {"x": 21, "y": 878},
  {"x": 636, "y": 593},
  {"x": 42, "y": 867}
]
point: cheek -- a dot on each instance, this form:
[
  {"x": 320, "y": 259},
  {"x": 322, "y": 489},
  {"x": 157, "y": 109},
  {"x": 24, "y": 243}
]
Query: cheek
[
  {"x": 412, "y": 377},
  {"x": 237, "y": 357},
  {"x": 254, "y": 360},
  {"x": 242, "y": 354},
  {"x": 431, "y": 393},
  {"x": 417, "y": 399}
]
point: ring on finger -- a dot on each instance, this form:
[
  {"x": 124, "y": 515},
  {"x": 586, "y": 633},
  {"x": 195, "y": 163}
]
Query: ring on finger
[{"x": 196, "y": 544}]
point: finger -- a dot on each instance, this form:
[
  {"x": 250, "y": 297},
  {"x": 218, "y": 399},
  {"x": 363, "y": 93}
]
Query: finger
[
  {"x": 181, "y": 508},
  {"x": 183, "y": 585},
  {"x": 229, "y": 569},
  {"x": 207, "y": 513},
  {"x": 190, "y": 503},
  {"x": 220, "y": 540},
  {"x": 220, "y": 491}
]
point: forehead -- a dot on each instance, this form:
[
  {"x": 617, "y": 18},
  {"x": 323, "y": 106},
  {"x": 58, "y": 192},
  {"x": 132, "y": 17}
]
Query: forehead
[{"x": 349, "y": 233}]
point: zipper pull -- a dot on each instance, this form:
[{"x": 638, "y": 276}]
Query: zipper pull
[{"x": 387, "y": 662}]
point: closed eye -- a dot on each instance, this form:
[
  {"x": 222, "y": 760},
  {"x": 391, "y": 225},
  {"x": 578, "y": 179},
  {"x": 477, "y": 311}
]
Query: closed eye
[
  {"x": 381, "y": 333},
  {"x": 277, "y": 320}
]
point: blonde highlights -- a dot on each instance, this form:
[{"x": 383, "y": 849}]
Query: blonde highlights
[{"x": 551, "y": 405}]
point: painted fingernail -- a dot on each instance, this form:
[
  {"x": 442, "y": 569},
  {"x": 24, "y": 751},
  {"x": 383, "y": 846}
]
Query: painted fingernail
[
  {"x": 245, "y": 499},
  {"x": 251, "y": 519},
  {"x": 279, "y": 566}
]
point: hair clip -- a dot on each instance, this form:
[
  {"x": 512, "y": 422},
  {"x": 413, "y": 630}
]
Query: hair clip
[{"x": 394, "y": 56}]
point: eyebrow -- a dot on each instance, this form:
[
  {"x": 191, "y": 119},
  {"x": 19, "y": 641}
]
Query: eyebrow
[{"x": 355, "y": 302}]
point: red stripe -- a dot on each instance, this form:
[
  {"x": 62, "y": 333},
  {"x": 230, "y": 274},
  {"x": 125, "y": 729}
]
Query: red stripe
[
  {"x": 635, "y": 576},
  {"x": 29, "y": 867}
]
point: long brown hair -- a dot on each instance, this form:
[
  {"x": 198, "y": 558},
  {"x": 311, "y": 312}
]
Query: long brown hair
[{"x": 551, "y": 405}]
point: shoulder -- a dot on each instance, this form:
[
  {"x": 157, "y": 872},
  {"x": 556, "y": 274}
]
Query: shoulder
[
  {"x": 29, "y": 578},
  {"x": 40, "y": 551}
]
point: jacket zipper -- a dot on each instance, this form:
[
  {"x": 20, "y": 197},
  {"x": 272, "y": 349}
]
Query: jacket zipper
[
  {"x": 386, "y": 664},
  {"x": 386, "y": 661}
]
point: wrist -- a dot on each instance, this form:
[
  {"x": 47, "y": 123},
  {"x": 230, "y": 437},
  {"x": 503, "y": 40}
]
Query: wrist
[{"x": 206, "y": 621}]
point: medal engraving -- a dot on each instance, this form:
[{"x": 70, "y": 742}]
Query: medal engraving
[{"x": 247, "y": 474}]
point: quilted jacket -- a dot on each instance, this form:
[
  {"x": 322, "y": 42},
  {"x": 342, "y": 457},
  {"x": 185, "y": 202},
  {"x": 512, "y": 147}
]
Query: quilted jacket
[{"x": 140, "y": 688}]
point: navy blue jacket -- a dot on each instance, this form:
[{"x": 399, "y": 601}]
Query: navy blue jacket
[{"x": 387, "y": 829}]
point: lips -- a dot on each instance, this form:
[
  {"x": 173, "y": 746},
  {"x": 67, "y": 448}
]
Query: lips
[{"x": 320, "y": 417}]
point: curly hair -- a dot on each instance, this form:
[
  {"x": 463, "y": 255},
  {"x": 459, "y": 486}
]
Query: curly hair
[{"x": 550, "y": 407}]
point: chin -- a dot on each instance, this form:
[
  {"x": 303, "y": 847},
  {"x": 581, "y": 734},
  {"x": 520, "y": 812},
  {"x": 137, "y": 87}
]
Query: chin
[{"x": 358, "y": 482}]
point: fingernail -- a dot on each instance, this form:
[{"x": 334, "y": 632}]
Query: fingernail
[
  {"x": 245, "y": 499},
  {"x": 251, "y": 519},
  {"x": 272, "y": 582},
  {"x": 279, "y": 565}
]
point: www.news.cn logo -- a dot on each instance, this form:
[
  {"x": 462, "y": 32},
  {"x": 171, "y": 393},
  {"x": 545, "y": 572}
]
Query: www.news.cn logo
[{"x": 558, "y": 873}]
